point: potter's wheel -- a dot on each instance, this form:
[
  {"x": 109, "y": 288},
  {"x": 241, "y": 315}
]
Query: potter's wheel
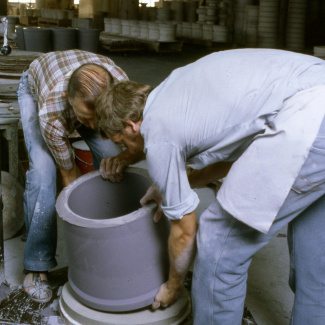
[{"x": 75, "y": 313}]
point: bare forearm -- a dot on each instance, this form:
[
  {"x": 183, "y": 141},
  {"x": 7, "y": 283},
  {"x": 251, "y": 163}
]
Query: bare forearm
[
  {"x": 212, "y": 173},
  {"x": 132, "y": 158},
  {"x": 70, "y": 175},
  {"x": 182, "y": 249}
]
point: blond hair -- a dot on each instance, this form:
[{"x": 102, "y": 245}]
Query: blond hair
[
  {"x": 87, "y": 83},
  {"x": 124, "y": 101}
]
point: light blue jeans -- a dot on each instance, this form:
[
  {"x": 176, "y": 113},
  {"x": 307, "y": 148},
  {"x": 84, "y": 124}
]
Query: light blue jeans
[
  {"x": 226, "y": 247},
  {"x": 40, "y": 188}
]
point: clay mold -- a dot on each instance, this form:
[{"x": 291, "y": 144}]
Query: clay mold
[{"x": 118, "y": 257}]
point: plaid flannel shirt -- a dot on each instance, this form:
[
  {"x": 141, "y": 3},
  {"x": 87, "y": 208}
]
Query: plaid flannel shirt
[{"x": 48, "y": 78}]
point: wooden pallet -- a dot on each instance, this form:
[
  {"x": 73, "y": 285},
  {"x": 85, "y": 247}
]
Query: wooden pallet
[
  {"x": 28, "y": 21},
  {"x": 16, "y": 64},
  {"x": 115, "y": 43},
  {"x": 164, "y": 47},
  {"x": 121, "y": 43},
  {"x": 47, "y": 22}
]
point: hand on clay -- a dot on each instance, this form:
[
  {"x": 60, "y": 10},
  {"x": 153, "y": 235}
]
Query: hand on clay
[
  {"x": 153, "y": 195},
  {"x": 112, "y": 168},
  {"x": 166, "y": 296}
]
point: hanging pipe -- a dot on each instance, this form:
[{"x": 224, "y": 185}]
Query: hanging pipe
[{"x": 5, "y": 49}]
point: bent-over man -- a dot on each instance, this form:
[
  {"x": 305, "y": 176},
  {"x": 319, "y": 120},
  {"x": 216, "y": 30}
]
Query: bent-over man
[
  {"x": 257, "y": 116},
  {"x": 57, "y": 96}
]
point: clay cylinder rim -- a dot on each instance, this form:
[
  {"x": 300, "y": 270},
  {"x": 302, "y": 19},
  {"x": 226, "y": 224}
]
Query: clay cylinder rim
[{"x": 69, "y": 216}]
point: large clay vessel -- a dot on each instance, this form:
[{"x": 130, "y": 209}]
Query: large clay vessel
[
  {"x": 88, "y": 39},
  {"x": 118, "y": 257},
  {"x": 20, "y": 38},
  {"x": 64, "y": 39},
  {"x": 38, "y": 39}
]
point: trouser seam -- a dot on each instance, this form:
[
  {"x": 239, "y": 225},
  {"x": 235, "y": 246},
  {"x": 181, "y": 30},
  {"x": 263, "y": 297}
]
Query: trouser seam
[
  {"x": 226, "y": 237},
  {"x": 231, "y": 226}
]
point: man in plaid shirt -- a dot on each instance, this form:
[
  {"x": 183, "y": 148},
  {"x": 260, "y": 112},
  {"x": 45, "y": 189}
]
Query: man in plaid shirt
[{"x": 57, "y": 96}]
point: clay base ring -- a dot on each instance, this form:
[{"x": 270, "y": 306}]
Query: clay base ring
[{"x": 75, "y": 313}]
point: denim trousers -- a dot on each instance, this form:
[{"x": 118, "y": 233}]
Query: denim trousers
[
  {"x": 40, "y": 188},
  {"x": 226, "y": 247}
]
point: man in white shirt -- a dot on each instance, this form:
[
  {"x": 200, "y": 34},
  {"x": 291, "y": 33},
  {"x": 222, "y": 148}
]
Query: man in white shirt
[{"x": 259, "y": 115}]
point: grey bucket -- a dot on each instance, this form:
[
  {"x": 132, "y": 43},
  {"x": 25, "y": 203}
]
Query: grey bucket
[
  {"x": 88, "y": 39},
  {"x": 64, "y": 39},
  {"x": 38, "y": 39},
  {"x": 20, "y": 38}
]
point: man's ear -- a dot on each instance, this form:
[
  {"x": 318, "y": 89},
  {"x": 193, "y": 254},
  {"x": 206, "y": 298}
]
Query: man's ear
[
  {"x": 65, "y": 94},
  {"x": 134, "y": 125}
]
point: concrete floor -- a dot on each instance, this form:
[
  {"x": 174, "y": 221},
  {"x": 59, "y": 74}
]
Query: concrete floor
[{"x": 269, "y": 298}]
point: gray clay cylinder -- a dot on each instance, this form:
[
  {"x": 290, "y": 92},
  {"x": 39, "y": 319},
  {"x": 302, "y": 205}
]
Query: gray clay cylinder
[
  {"x": 88, "y": 39},
  {"x": 38, "y": 39},
  {"x": 64, "y": 39},
  {"x": 20, "y": 38},
  {"x": 118, "y": 257}
]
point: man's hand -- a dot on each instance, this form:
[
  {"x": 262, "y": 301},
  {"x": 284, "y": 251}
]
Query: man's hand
[
  {"x": 112, "y": 168},
  {"x": 153, "y": 194},
  {"x": 166, "y": 296},
  {"x": 182, "y": 249}
]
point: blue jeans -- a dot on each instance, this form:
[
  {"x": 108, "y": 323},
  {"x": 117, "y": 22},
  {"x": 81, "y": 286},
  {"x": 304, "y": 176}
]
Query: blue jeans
[
  {"x": 226, "y": 247},
  {"x": 40, "y": 188}
]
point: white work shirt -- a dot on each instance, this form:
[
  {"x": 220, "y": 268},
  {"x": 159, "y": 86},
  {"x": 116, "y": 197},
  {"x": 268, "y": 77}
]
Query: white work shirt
[{"x": 212, "y": 110}]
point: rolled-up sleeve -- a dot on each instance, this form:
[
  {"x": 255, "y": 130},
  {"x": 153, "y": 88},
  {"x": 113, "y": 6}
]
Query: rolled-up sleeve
[{"x": 167, "y": 169}]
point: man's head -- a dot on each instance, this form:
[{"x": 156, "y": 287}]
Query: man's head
[
  {"x": 85, "y": 86},
  {"x": 119, "y": 113}
]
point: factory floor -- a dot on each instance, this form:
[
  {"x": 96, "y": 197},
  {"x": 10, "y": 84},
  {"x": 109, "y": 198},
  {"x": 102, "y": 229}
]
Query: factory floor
[{"x": 269, "y": 298}]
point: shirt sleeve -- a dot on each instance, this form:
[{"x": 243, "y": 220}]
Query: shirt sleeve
[
  {"x": 57, "y": 123},
  {"x": 167, "y": 169}
]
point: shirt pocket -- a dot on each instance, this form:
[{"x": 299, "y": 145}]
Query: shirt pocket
[{"x": 312, "y": 174}]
